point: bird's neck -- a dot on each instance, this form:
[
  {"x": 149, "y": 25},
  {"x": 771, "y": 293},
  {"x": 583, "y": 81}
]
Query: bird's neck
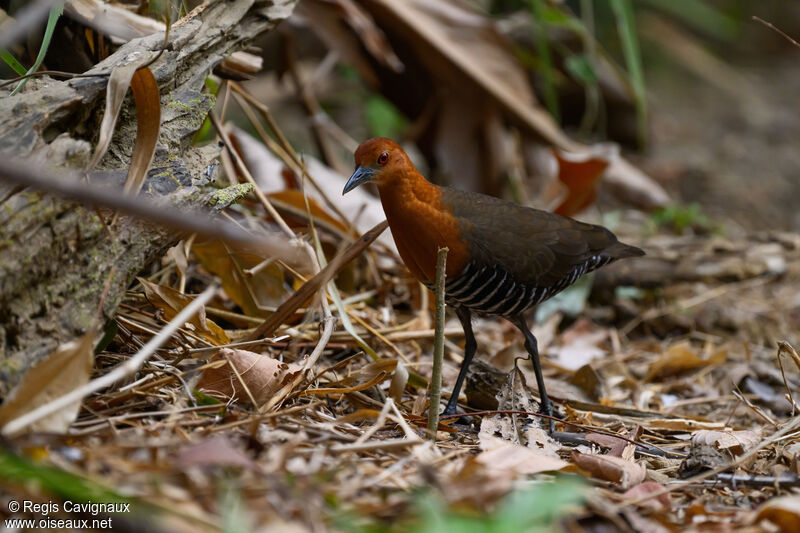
[
  {"x": 407, "y": 186},
  {"x": 420, "y": 224}
]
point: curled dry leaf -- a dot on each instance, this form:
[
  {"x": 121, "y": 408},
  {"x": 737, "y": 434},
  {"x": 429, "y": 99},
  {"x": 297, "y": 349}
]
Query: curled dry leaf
[
  {"x": 783, "y": 512},
  {"x": 262, "y": 376},
  {"x": 171, "y": 302},
  {"x": 625, "y": 473},
  {"x": 680, "y": 358},
  {"x": 66, "y": 369},
  {"x": 737, "y": 442}
]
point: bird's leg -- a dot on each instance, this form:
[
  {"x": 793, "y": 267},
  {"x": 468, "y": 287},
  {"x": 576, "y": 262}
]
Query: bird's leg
[
  {"x": 531, "y": 345},
  {"x": 469, "y": 351}
]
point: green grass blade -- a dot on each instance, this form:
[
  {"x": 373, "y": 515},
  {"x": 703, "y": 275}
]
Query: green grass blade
[
  {"x": 21, "y": 471},
  {"x": 548, "y": 72},
  {"x": 52, "y": 19},
  {"x": 12, "y": 62},
  {"x": 700, "y": 16},
  {"x": 626, "y": 26}
]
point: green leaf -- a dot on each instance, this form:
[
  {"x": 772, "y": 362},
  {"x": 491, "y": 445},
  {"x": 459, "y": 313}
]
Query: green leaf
[
  {"x": 580, "y": 67},
  {"x": 12, "y": 62},
  {"x": 52, "y": 19},
  {"x": 383, "y": 118}
]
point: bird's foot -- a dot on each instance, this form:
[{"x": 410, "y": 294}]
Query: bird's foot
[{"x": 452, "y": 410}]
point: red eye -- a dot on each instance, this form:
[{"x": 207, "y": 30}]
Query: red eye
[{"x": 383, "y": 158}]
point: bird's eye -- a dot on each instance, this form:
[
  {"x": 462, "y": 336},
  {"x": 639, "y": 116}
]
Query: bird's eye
[{"x": 383, "y": 158}]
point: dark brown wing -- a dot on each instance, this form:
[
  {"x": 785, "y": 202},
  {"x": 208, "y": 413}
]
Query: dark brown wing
[{"x": 535, "y": 247}]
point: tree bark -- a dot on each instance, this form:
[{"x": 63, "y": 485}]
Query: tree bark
[{"x": 56, "y": 256}]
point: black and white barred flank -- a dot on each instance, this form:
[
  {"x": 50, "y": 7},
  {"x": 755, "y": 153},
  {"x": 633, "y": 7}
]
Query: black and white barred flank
[{"x": 491, "y": 289}]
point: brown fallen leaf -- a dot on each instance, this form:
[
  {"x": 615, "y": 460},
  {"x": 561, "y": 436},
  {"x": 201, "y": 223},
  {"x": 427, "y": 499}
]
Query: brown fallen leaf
[
  {"x": 680, "y": 358},
  {"x": 66, "y": 369},
  {"x": 625, "y": 473},
  {"x": 256, "y": 377},
  {"x": 783, "y": 512},
  {"x": 737, "y": 442},
  {"x": 148, "y": 124},
  {"x": 171, "y": 302}
]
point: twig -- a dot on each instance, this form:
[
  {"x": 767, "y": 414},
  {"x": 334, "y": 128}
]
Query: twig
[
  {"x": 387, "y": 444},
  {"x": 785, "y": 346},
  {"x": 310, "y": 104},
  {"x": 384, "y": 414},
  {"x": 249, "y": 177},
  {"x": 772, "y": 27},
  {"x": 125, "y": 369},
  {"x": 787, "y": 479},
  {"x": 757, "y": 410},
  {"x": 793, "y": 425},
  {"x": 438, "y": 344}
]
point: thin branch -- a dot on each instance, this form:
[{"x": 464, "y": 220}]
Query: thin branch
[
  {"x": 772, "y": 27},
  {"x": 438, "y": 345}
]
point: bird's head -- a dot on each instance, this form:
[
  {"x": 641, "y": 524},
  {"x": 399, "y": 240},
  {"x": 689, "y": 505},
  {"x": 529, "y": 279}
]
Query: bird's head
[{"x": 377, "y": 160}]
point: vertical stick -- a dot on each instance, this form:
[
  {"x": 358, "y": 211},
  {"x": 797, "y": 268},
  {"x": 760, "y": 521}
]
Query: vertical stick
[{"x": 438, "y": 345}]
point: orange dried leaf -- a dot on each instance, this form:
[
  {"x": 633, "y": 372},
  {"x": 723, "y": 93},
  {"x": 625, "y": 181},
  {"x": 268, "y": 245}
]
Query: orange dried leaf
[
  {"x": 579, "y": 173},
  {"x": 148, "y": 124}
]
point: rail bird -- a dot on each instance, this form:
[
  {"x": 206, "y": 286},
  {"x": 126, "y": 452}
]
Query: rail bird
[{"x": 503, "y": 258}]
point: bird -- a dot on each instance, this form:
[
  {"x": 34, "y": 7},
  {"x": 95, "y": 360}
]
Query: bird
[{"x": 503, "y": 258}]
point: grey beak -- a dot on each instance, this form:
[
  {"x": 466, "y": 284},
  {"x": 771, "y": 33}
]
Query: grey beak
[{"x": 360, "y": 175}]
